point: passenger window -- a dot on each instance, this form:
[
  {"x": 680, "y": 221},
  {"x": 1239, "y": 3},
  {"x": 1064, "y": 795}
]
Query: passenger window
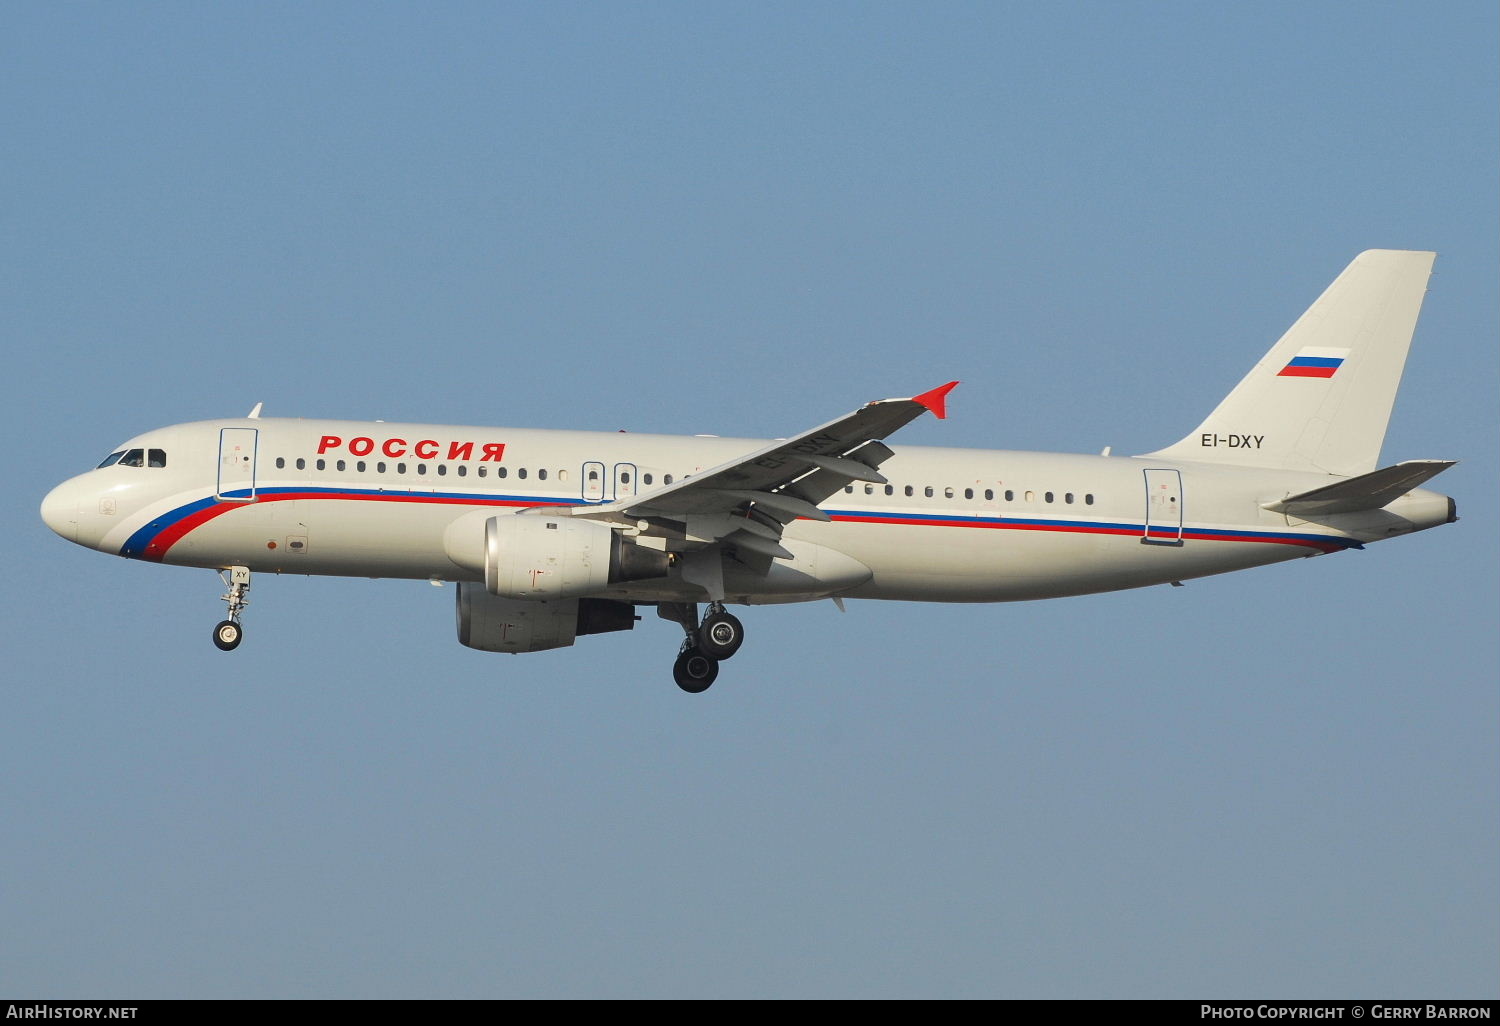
[
  {"x": 322, "y": 464},
  {"x": 111, "y": 460},
  {"x": 849, "y": 489},
  {"x": 280, "y": 462},
  {"x": 480, "y": 471},
  {"x": 1010, "y": 496},
  {"x": 156, "y": 458},
  {"x": 500, "y": 471},
  {"x": 645, "y": 478},
  {"x": 624, "y": 478},
  {"x": 1049, "y": 496},
  {"x": 133, "y": 458},
  {"x": 521, "y": 473},
  {"x": 463, "y": 471},
  {"x": 968, "y": 493},
  {"x": 301, "y": 463},
  {"x": 360, "y": 466},
  {"x": 1088, "y": 499},
  {"x": 442, "y": 469},
  {"x": 380, "y": 467},
  {"x": 593, "y": 475},
  {"x": 1068, "y": 497},
  {"x": 989, "y": 495},
  {"x": 947, "y": 493},
  {"x": 541, "y": 475},
  {"x": 422, "y": 469},
  {"x": 341, "y": 465},
  {"x": 562, "y": 475},
  {"x": 667, "y": 479},
  {"x": 890, "y": 489},
  {"x": 1030, "y": 496},
  {"x": 927, "y": 491},
  {"x": 401, "y": 468},
  {"x": 910, "y": 490}
]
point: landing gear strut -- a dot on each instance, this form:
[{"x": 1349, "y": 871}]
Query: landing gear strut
[
  {"x": 228, "y": 633},
  {"x": 718, "y": 637}
]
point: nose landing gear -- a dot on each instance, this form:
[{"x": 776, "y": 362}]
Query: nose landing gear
[{"x": 228, "y": 633}]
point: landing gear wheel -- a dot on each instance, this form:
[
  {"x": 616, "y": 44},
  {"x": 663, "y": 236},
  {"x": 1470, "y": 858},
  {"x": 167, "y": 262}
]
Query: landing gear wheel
[
  {"x": 721, "y": 635},
  {"x": 694, "y": 671},
  {"x": 227, "y": 635}
]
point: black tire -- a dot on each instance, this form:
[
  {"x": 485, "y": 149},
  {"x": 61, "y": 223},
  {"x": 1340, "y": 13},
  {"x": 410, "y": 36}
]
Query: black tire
[
  {"x": 694, "y": 671},
  {"x": 227, "y": 635},
  {"x": 721, "y": 635}
]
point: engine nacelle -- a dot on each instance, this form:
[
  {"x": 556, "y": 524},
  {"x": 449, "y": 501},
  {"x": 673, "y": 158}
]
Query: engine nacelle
[
  {"x": 537, "y": 557},
  {"x": 493, "y": 624}
]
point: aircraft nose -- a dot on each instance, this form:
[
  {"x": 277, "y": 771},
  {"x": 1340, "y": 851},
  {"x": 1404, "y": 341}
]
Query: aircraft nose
[{"x": 60, "y": 510}]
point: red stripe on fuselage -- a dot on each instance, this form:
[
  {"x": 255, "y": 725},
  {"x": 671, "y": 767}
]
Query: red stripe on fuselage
[
  {"x": 1277, "y": 540},
  {"x": 156, "y": 549},
  {"x": 1132, "y": 532}
]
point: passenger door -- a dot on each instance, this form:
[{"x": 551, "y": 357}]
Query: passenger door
[
  {"x": 1163, "y": 507},
  {"x": 236, "y": 479}
]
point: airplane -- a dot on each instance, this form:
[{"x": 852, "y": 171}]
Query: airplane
[{"x": 551, "y": 535}]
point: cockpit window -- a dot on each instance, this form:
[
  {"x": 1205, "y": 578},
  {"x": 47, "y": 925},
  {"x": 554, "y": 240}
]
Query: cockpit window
[
  {"x": 156, "y": 457},
  {"x": 111, "y": 460},
  {"x": 133, "y": 458}
]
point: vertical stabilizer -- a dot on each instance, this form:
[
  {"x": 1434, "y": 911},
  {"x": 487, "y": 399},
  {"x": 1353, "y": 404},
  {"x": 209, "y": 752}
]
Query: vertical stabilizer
[{"x": 1320, "y": 400}]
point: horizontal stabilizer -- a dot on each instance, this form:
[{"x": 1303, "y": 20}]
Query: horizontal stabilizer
[{"x": 1367, "y": 491}]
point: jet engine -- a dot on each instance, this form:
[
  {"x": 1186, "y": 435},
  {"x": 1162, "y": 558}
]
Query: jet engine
[
  {"x": 537, "y": 557},
  {"x": 493, "y": 624}
]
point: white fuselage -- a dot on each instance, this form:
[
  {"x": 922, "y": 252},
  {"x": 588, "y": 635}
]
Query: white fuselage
[{"x": 374, "y": 499}]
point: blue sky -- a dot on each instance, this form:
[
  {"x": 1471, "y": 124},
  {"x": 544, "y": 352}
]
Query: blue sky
[{"x": 744, "y": 219}]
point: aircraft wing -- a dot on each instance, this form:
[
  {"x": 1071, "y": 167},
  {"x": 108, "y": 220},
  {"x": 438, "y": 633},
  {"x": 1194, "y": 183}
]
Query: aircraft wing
[{"x": 753, "y": 497}]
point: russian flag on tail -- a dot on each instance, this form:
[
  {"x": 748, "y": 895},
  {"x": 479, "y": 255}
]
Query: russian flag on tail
[{"x": 1314, "y": 362}]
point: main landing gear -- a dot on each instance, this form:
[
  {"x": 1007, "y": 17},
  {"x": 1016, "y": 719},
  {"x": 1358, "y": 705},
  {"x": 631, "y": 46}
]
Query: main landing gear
[
  {"x": 716, "y": 638},
  {"x": 693, "y": 671},
  {"x": 721, "y": 634},
  {"x": 228, "y": 633}
]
